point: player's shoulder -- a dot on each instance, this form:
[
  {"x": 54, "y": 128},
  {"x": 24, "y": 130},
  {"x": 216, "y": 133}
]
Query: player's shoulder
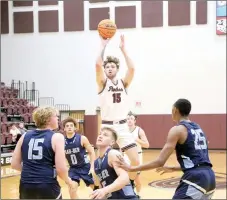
[
  {"x": 113, "y": 153},
  {"x": 178, "y": 129},
  {"x": 58, "y": 136},
  {"x": 139, "y": 128}
]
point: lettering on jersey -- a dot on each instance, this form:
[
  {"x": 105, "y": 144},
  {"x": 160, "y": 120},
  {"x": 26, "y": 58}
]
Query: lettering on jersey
[
  {"x": 73, "y": 150},
  {"x": 117, "y": 89},
  {"x": 104, "y": 174}
]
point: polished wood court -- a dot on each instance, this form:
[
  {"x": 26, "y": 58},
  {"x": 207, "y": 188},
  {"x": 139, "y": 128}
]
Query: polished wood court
[{"x": 163, "y": 186}]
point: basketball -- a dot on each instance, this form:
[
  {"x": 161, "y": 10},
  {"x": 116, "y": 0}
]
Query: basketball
[{"x": 107, "y": 28}]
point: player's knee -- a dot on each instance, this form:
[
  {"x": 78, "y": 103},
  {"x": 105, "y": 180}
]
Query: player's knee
[{"x": 134, "y": 161}]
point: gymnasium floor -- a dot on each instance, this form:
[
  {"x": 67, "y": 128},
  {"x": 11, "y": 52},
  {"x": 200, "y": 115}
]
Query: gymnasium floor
[{"x": 154, "y": 185}]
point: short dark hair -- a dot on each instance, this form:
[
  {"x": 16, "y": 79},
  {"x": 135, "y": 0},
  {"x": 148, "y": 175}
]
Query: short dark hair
[
  {"x": 69, "y": 119},
  {"x": 112, "y": 59},
  {"x": 132, "y": 114},
  {"x": 114, "y": 133},
  {"x": 184, "y": 107}
]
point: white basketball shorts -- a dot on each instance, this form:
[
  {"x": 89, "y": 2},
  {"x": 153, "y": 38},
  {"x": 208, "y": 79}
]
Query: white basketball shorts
[{"x": 124, "y": 139}]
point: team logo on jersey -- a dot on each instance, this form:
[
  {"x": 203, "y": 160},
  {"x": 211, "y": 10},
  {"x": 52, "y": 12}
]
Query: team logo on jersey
[
  {"x": 117, "y": 89},
  {"x": 172, "y": 183}
]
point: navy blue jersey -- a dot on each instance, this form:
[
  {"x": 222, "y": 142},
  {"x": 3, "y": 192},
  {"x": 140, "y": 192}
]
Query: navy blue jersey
[
  {"x": 194, "y": 151},
  {"x": 107, "y": 176},
  {"x": 38, "y": 157},
  {"x": 75, "y": 153}
]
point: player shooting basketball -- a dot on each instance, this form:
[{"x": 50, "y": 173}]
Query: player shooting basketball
[{"x": 114, "y": 99}]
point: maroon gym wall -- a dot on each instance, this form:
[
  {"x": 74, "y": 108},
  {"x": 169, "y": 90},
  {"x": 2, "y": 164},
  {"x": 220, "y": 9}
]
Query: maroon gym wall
[
  {"x": 125, "y": 17},
  {"x": 156, "y": 128}
]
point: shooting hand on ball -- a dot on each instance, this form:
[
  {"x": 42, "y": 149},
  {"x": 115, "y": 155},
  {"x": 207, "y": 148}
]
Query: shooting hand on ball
[{"x": 103, "y": 41}]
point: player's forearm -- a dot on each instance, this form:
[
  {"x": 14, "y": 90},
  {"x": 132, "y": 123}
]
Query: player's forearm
[
  {"x": 177, "y": 168},
  {"x": 128, "y": 61},
  {"x": 144, "y": 144},
  {"x": 148, "y": 166},
  {"x": 16, "y": 166},
  {"x": 118, "y": 184},
  {"x": 92, "y": 158},
  {"x": 99, "y": 61},
  {"x": 63, "y": 173}
]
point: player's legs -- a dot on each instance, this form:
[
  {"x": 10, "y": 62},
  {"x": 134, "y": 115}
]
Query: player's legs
[
  {"x": 138, "y": 183},
  {"x": 40, "y": 191},
  {"x": 127, "y": 144},
  {"x": 138, "y": 177},
  {"x": 73, "y": 192},
  {"x": 88, "y": 180},
  {"x": 83, "y": 172},
  {"x": 74, "y": 175},
  {"x": 198, "y": 183},
  {"x": 133, "y": 157}
]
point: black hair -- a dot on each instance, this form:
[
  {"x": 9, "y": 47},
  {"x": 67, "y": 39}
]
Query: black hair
[
  {"x": 184, "y": 107},
  {"x": 132, "y": 114}
]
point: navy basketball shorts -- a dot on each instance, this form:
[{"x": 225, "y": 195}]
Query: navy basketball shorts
[
  {"x": 197, "y": 183},
  {"x": 81, "y": 173},
  {"x": 40, "y": 191}
]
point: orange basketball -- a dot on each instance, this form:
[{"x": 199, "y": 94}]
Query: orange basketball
[{"x": 107, "y": 28}]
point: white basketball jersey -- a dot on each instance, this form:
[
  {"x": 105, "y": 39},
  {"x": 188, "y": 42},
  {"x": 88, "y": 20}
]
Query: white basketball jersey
[
  {"x": 114, "y": 101},
  {"x": 135, "y": 134}
]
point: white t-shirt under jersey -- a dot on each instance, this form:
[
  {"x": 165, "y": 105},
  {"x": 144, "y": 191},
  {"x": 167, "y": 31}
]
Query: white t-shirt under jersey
[
  {"x": 135, "y": 134},
  {"x": 114, "y": 101}
]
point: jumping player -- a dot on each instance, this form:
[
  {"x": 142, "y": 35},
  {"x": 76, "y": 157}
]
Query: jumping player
[
  {"x": 40, "y": 156},
  {"x": 141, "y": 142},
  {"x": 189, "y": 140},
  {"x": 76, "y": 146},
  {"x": 113, "y": 99},
  {"x": 114, "y": 181}
]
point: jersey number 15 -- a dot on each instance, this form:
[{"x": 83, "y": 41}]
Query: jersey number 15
[
  {"x": 116, "y": 97},
  {"x": 33, "y": 145}
]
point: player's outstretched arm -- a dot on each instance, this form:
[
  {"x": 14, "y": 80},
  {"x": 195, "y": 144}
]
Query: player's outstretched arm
[
  {"x": 168, "y": 169},
  {"x": 131, "y": 69},
  {"x": 165, "y": 153},
  {"x": 100, "y": 76},
  {"x": 17, "y": 157},
  {"x": 90, "y": 150}
]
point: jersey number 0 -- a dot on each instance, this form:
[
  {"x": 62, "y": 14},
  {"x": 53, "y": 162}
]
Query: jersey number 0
[{"x": 116, "y": 97}]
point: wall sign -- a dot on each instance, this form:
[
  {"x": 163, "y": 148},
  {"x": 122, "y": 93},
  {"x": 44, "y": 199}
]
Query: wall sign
[{"x": 221, "y": 17}]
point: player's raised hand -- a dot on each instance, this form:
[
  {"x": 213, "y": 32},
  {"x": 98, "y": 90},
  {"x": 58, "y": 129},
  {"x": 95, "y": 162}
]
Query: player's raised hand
[
  {"x": 122, "y": 42},
  {"x": 104, "y": 42},
  {"x": 164, "y": 169}
]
